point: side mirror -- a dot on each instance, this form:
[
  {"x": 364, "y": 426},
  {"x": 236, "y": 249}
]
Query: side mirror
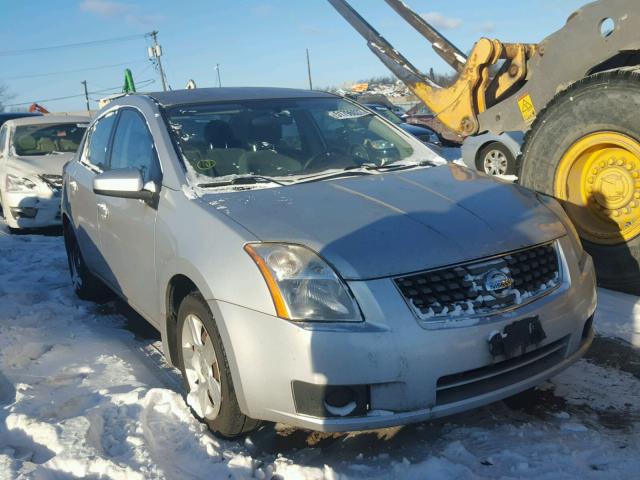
[{"x": 123, "y": 183}]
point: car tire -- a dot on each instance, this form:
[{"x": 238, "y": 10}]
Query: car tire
[
  {"x": 496, "y": 159},
  {"x": 86, "y": 285},
  {"x": 205, "y": 371}
]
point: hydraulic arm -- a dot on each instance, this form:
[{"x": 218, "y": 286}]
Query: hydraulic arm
[{"x": 491, "y": 91}]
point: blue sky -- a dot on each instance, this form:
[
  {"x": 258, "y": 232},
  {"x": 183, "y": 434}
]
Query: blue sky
[{"x": 255, "y": 42}]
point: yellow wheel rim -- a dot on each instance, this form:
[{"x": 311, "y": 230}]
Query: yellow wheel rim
[{"x": 599, "y": 180}]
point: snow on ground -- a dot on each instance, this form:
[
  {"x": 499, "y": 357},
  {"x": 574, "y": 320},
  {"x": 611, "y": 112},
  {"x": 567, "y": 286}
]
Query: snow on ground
[
  {"x": 619, "y": 316},
  {"x": 84, "y": 393}
]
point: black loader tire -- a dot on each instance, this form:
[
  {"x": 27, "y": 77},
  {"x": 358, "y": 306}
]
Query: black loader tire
[{"x": 608, "y": 101}]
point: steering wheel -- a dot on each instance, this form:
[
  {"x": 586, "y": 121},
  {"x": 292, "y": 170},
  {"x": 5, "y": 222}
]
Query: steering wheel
[{"x": 360, "y": 152}]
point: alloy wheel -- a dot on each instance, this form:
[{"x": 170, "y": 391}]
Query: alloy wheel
[
  {"x": 201, "y": 369},
  {"x": 495, "y": 163}
]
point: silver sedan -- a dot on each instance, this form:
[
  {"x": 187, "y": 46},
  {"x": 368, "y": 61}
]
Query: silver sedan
[
  {"x": 493, "y": 154},
  {"x": 308, "y": 262}
]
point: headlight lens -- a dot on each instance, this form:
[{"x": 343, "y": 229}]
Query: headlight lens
[
  {"x": 303, "y": 286},
  {"x": 553, "y": 205},
  {"x": 17, "y": 184}
]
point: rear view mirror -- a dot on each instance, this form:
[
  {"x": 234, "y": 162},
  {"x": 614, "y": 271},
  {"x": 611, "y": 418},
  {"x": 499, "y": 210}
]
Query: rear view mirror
[{"x": 123, "y": 183}]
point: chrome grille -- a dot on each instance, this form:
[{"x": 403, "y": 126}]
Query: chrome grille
[{"x": 462, "y": 290}]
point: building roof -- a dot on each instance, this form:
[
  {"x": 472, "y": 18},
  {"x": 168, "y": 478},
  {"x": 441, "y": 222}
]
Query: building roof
[{"x": 204, "y": 95}]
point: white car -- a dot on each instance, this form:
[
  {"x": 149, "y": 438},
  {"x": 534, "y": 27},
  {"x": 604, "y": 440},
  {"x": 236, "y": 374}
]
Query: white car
[
  {"x": 493, "y": 154},
  {"x": 33, "y": 151}
]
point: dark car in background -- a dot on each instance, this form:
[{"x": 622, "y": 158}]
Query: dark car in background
[
  {"x": 425, "y": 135},
  {"x": 420, "y": 115}
]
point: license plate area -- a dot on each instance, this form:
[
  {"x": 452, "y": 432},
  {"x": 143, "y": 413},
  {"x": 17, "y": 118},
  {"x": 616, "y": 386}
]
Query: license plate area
[{"x": 517, "y": 337}]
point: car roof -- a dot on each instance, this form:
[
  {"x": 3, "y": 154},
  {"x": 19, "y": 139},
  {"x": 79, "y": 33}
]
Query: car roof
[
  {"x": 226, "y": 94},
  {"x": 47, "y": 119},
  {"x": 11, "y": 115}
]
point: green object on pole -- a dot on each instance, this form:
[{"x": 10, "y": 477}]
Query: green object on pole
[{"x": 129, "y": 86}]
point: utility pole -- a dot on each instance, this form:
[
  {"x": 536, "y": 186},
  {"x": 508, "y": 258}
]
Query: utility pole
[
  {"x": 218, "y": 72},
  {"x": 86, "y": 94},
  {"x": 155, "y": 52},
  {"x": 309, "y": 71}
]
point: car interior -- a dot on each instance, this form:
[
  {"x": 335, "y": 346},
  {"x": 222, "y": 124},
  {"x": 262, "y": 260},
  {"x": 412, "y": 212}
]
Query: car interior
[
  {"x": 47, "y": 139},
  {"x": 282, "y": 140}
]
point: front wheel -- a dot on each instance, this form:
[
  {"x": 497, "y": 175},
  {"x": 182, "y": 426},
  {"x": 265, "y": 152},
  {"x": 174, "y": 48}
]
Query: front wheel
[
  {"x": 205, "y": 371},
  {"x": 496, "y": 159},
  {"x": 584, "y": 149}
]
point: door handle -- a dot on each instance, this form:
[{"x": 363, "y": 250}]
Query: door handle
[
  {"x": 103, "y": 210},
  {"x": 73, "y": 186}
]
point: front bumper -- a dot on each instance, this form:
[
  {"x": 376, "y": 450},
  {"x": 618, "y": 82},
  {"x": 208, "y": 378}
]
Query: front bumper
[
  {"x": 32, "y": 210},
  {"x": 403, "y": 365}
]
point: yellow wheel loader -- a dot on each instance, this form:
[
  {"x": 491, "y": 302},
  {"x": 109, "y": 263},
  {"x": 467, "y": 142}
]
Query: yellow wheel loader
[{"x": 576, "y": 94}]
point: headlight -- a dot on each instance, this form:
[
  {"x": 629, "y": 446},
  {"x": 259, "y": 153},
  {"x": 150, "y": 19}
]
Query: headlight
[
  {"x": 553, "y": 205},
  {"x": 16, "y": 184},
  {"x": 303, "y": 286}
]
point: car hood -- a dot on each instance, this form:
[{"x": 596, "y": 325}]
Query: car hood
[
  {"x": 39, "y": 164},
  {"x": 395, "y": 223}
]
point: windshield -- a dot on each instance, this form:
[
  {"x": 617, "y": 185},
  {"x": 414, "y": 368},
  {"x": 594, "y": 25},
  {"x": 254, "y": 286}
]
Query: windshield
[
  {"x": 284, "y": 138},
  {"x": 47, "y": 139}
]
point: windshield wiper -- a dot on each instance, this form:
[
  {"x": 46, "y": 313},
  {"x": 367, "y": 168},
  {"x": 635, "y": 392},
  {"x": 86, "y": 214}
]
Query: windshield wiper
[
  {"x": 401, "y": 166},
  {"x": 345, "y": 172},
  {"x": 366, "y": 169},
  {"x": 245, "y": 180}
]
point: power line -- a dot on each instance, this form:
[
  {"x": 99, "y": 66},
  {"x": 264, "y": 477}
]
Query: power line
[
  {"x": 86, "y": 94},
  {"x": 156, "y": 52},
  {"x": 5, "y": 53},
  {"x": 106, "y": 90},
  {"x": 64, "y": 72}
]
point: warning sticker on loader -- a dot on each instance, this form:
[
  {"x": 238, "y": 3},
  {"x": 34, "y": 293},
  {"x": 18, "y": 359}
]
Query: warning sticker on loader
[{"x": 525, "y": 104}]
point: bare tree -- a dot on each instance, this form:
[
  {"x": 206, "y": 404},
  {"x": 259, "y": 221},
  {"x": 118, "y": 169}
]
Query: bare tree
[{"x": 4, "y": 96}]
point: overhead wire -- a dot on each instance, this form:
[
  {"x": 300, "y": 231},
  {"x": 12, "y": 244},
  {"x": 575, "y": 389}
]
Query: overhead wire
[
  {"x": 142, "y": 83},
  {"x": 74, "y": 45},
  {"x": 64, "y": 72},
  {"x": 26, "y": 51}
]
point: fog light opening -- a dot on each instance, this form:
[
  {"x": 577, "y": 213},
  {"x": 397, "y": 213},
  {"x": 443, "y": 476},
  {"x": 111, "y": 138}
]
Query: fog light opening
[
  {"x": 23, "y": 212},
  {"x": 341, "y": 401}
]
